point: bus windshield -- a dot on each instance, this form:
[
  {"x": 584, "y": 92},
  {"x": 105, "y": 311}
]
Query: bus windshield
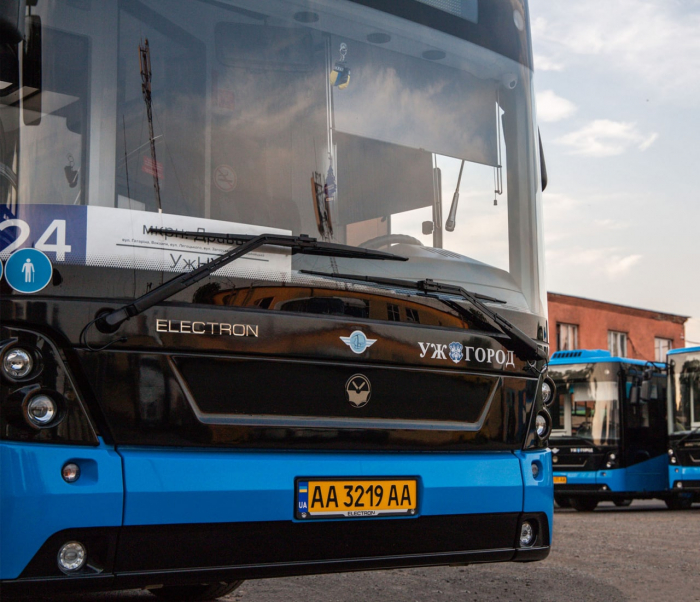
[
  {"x": 332, "y": 119},
  {"x": 684, "y": 393},
  {"x": 587, "y": 403}
]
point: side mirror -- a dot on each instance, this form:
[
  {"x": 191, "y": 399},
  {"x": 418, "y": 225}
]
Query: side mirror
[{"x": 543, "y": 165}]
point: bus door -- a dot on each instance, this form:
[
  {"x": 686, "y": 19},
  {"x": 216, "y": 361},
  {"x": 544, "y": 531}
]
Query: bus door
[{"x": 644, "y": 431}]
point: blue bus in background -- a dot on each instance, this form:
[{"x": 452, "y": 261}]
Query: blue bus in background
[
  {"x": 684, "y": 426},
  {"x": 247, "y": 329},
  {"x": 609, "y": 435}
]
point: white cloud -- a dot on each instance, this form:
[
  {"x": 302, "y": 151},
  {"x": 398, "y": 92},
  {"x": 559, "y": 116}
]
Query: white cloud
[
  {"x": 606, "y": 138},
  {"x": 551, "y": 107},
  {"x": 611, "y": 262},
  {"x": 653, "y": 44},
  {"x": 547, "y": 63}
]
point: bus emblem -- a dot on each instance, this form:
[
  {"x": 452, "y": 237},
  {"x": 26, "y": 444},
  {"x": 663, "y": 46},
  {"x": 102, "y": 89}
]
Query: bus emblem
[
  {"x": 358, "y": 342},
  {"x": 456, "y": 353},
  {"x": 358, "y": 390}
]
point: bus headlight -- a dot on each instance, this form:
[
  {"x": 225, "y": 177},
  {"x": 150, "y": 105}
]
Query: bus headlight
[
  {"x": 543, "y": 424},
  {"x": 612, "y": 461},
  {"x": 672, "y": 457},
  {"x": 41, "y": 411},
  {"x": 71, "y": 557},
  {"x": 17, "y": 363}
]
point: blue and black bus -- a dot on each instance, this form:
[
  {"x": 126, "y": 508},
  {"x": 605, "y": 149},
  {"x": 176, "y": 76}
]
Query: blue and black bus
[
  {"x": 684, "y": 426},
  {"x": 272, "y": 292},
  {"x": 609, "y": 440}
]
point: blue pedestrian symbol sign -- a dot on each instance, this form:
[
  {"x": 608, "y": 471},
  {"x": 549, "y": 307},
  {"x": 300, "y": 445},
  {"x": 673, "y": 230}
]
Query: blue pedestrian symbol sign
[{"x": 28, "y": 271}]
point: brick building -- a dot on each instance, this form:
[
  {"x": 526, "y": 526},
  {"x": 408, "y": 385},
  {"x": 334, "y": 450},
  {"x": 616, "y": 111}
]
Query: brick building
[{"x": 579, "y": 323}]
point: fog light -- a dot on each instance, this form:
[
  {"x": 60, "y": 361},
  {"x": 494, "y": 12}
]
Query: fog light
[
  {"x": 679, "y": 484},
  {"x": 41, "y": 410},
  {"x": 542, "y": 424},
  {"x": 546, "y": 393},
  {"x": 70, "y": 472},
  {"x": 71, "y": 556},
  {"x": 527, "y": 535},
  {"x": 535, "y": 470},
  {"x": 17, "y": 363}
]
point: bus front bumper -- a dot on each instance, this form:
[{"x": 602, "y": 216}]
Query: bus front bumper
[{"x": 164, "y": 517}]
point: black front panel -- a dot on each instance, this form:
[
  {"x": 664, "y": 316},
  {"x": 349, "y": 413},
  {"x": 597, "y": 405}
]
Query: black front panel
[
  {"x": 686, "y": 449},
  {"x": 573, "y": 454},
  {"x": 145, "y": 404},
  {"x": 249, "y": 386},
  {"x": 255, "y": 380}
]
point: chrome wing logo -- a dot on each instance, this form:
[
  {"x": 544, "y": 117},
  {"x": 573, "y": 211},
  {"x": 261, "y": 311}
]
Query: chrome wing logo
[
  {"x": 358, "y": 390},
  {"x": 358, "y": 342}
]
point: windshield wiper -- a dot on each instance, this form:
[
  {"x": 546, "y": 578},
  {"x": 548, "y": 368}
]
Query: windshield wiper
[
  {"x": 523, "y": 345},
  {"x": 247, "y": 242},
  {"x": 684, "y": 437}
]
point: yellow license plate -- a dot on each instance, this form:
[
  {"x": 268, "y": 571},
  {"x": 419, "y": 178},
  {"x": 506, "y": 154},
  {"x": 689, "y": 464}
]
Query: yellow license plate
[
  {"x": 355, "y": 498},
  {"x": 560, "y": 480}
]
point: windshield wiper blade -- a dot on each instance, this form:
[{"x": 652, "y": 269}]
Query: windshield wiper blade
[
  {"x": 525, "y": 347},
  {"x": 684, "y": 437},
  {"x": 246, "y": 243}
]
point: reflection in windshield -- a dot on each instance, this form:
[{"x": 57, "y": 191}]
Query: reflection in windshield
[
  {"x": 352, "y": 126},
  {"x": 685, "y": 393},
  {"x": 585, "y": 406}
]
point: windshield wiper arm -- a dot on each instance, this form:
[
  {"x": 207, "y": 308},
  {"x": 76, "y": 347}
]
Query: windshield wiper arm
[
  {"x": 684, "y": 437},
  {"x": 247, "y": 243},
  {"x": 523, "y": 345}
]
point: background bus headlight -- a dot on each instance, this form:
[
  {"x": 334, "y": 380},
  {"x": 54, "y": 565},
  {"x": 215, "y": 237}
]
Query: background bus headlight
[{"x": 17, "y": 363}]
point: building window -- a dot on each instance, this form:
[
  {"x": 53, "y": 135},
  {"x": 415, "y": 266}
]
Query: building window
[
  {"x": 617, "y": 343},
  {"x": 661, "y": 348},
  {"x": 412, "y": 315},
  {"x": 393, "y": 312},
  {"x": 567, "y": 337}
]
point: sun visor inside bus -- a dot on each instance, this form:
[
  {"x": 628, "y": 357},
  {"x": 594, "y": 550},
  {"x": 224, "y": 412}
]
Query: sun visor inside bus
[
  {"x": 369, "y": 170},
  {"x": 416, "y": 103}
]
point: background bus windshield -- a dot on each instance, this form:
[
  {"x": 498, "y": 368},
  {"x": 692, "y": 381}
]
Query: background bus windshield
[{"x": 586, "y": 406}]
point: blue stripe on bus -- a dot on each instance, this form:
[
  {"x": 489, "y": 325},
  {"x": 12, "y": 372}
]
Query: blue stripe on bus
[
  {"x": 174, "y": 487},
  {"x": 645, "y": 476}
]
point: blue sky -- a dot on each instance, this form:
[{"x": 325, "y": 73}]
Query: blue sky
[{"x": 618, "y": 101}]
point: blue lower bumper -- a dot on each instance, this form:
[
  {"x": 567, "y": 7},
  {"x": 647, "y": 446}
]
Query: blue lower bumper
[
  {"x": 144, "y": 489},
  {"x": 35, "y": 501},
  {"x": 688, "y": 475},
  {"x": 641, "y": 478}
]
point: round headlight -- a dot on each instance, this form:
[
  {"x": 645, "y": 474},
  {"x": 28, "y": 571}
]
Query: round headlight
[
  {"x": 542, "y": 424},
  {"x": 71, "y": 556},
  {"x": 17, "y": 363},
  {"x": 527, "y": 535},
  {"x": 41, "y": 410}
]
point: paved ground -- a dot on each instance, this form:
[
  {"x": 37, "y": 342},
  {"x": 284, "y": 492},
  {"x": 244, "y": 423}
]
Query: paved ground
[{"x": 640, "y": 553}]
